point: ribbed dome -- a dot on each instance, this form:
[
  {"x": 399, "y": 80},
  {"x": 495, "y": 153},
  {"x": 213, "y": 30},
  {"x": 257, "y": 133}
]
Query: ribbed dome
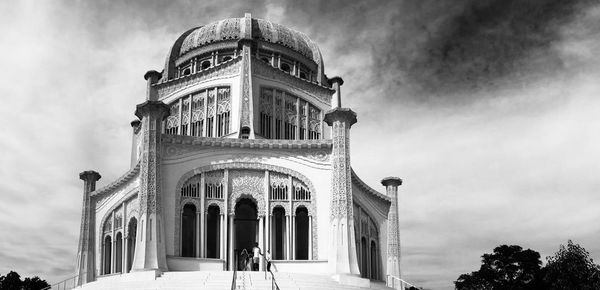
[{"x": 234, "y": 28}]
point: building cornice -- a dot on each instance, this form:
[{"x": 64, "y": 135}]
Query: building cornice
[
  {"x": 125, "y": 178},
  {"x": 362, "y": 185},
  {"x": 247, "y": 143}
]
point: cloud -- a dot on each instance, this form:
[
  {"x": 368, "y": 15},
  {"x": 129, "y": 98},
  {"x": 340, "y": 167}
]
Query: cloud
[{"x": 486, "y": 109}]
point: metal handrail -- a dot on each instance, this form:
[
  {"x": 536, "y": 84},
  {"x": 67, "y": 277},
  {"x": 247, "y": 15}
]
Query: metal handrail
[
  {"x": 401, "y": 283},
  {"x": 234, "y": 279},
  {"x": 274, "y": 285},
  {"x": 64, "y": 283}
]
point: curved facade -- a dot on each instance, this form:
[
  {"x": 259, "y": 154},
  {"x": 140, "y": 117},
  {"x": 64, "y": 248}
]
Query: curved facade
[{"x": 241, "y": 140}]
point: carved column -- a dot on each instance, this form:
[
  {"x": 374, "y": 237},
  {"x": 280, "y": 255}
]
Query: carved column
[
  {"x": 393, "y": 231},
  {"x": 203, "y": 216},
  {"x": 86, "y": 269},
  {"x": 342, "y": 248},
  {"x": 150, "y": 254}
]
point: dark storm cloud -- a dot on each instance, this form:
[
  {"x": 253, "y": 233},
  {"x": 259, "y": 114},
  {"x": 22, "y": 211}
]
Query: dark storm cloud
[{"x": 476, "y": 43}]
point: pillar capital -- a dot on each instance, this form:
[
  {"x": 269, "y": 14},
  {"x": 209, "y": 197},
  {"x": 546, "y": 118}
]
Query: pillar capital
[
  {"x": 89, "y": 176},
  {"x": 158, "y": 108},
  {"x": 391, "y": 181},
  {"x": 151, "y": 78},
  {"x": 340, "y": 114},
  {"x": 336, "y": 81}
]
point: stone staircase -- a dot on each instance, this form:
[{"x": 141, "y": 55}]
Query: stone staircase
[{"x": 221, "y": 280}]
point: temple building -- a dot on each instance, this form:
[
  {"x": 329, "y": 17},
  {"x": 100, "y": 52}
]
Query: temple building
[{"x": 241, "y": 139}]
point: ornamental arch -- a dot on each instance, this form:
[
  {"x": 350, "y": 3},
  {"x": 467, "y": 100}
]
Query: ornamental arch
[{"x": 222, "y": 186}]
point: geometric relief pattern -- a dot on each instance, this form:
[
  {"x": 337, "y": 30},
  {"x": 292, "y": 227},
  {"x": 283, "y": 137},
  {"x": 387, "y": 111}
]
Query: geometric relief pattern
[{"x": 247, "y": 183}]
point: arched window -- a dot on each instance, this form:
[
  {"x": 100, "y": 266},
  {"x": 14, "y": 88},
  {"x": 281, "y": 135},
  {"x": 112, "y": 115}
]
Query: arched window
[
  {"x": 131, "y": 234},
  {"x": 286, "y": 67},
  {"x": 188, "y": 230},
  {"x": 212, "y": 231},
  {"x": 205, "y": 64},
  {"x": 227, "y": 58},
  {"x": 107, "y": 254},
  {"x": 187, "y": 71},
  {"x": 301, "y": 233},
  {"x": 374, "y": 261},
  {"x": 278, "y": 233},
  {"x": 119, "y": 253},
  {"x": 365, "y": 262}
]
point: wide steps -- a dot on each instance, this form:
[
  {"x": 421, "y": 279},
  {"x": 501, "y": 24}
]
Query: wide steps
[{"x": 221, "y": 280}]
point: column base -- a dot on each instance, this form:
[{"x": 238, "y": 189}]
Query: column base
[{"x": 345, "y": 279}]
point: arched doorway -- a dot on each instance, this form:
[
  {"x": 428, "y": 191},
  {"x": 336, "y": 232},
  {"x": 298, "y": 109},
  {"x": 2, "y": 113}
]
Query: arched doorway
[
  {"x": 131, "y": 234},
  {"x": 188, "y": 233},
  {"x": 107, "y": 254},
  {"x": 278, "y": 233},
  {"x": 301, "y": 233},
  {"x": 373, "y": 261},
  {"x": 365, "y": 263},
  {"x": 212, "y": 231},
  {"x": 246, "y": 224},
  {"x": 119, "y": 253}
]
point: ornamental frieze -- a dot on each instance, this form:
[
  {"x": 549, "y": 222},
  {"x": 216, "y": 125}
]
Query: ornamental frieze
[{"x": 225, "y": 70}]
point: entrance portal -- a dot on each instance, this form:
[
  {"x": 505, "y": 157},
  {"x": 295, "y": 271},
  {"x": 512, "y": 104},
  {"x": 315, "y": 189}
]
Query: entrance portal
[{"x": 246, "y": 228}]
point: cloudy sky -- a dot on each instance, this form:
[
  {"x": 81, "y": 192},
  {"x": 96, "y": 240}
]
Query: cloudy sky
[{"x": 488, "y": 109}]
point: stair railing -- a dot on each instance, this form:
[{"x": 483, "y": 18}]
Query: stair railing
[
  {"x": 274, "y": 285},
  {"x": 235, "y": 266},
  {"x": 66, "y": 284},
  {"x": 397, "y": 283}
]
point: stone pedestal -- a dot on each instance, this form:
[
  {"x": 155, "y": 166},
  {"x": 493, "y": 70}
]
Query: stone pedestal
[
  {"x": 342, "y": 249},
  {"x": 393, "y": 231},
  {"x": 150, "y": 250},
  {"x": 86, "y": 269}
]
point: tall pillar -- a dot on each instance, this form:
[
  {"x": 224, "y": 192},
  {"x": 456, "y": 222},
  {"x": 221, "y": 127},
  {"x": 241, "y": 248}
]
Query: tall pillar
[
  {"x": 230, "y": 248},
  {"x": 287, "y": 238},
  {"x": 393, "y": 231},
  {"x": 342, "y": 249},
  {"x": 293, "y": 224},
  {"x": 150, "y": 254},
  {"x": 267, "y": 246},
  {"x": 222, "y": 243},
  {"x": 203, "y": 217},
  {"x": 261, "y": 240},
  {"x": 310, "y": 237},
  {"x": 86, "y": 268},
  {"x": 199, "y": 219}
]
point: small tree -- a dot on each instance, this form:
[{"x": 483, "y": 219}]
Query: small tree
[
  {"x": 507, "y": 268},
  {"x": 12, "y": 281},
  {"x": 571, "y": 268},
  {"x": 34, "y": 283}
]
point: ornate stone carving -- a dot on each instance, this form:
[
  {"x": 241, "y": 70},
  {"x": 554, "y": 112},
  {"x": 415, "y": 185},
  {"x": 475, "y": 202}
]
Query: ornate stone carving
[
  {"x": 223, "y": 70},
  {"x": 247, "y": 183},
  {"x": 246, "y": 95},
  {"x": 230, "y": 28},
  {"x": 259, "y": 168},
  {"x": 320, "y": 93}
]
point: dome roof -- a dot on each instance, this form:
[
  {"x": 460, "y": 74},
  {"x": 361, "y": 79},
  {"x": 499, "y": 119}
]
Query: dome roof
[{"x": 234, "y": 28}]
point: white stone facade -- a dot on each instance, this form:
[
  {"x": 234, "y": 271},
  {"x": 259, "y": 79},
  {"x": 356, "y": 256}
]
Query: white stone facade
[{"x": 241, "y": 136}]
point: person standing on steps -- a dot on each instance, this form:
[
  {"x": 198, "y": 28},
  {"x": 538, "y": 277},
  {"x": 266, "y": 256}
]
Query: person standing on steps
[{"x": 256, "y": 252}]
